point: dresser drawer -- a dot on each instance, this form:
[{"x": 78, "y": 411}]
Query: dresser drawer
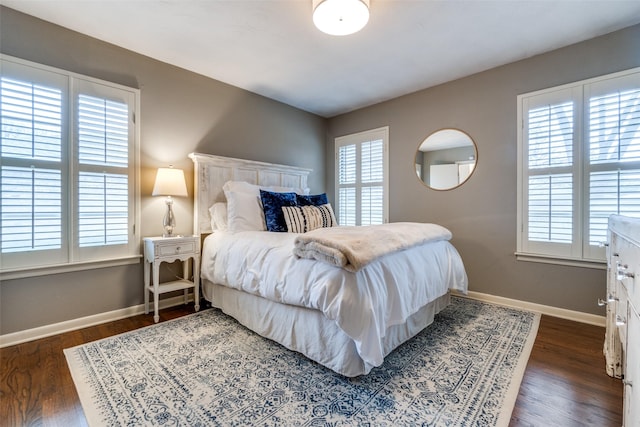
[
  {"x": 632, "y": 371},
  {"x": 622, "y": 305},
  {"x": 626, "y": 268}
]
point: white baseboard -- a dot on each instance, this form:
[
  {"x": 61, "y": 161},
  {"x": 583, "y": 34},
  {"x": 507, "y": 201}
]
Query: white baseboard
[
  {"x": 84, "y": 322},
  {"x": 562, "y": 313}
]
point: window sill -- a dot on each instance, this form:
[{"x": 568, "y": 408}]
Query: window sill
[
  {"x": 24, "y": 272},
  {"x": 546, "y": 259}
]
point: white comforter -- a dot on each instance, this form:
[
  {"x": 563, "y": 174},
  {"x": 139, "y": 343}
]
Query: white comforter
[{"x": 363, "y": 303}]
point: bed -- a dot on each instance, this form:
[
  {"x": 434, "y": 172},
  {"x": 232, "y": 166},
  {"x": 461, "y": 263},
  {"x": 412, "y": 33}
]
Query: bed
[{"x": 346, "y": 319}]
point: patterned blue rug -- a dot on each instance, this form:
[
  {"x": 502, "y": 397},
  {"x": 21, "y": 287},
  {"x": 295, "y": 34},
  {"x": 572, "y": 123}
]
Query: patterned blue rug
[{"x": 207, "y": 370}]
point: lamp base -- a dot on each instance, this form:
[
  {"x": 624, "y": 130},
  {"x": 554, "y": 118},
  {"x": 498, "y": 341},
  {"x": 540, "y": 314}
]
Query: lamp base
[{"x": 169, "y": 220}]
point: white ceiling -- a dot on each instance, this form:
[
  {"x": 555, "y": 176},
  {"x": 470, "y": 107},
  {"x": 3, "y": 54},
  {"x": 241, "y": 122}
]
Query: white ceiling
[{"x": 271, "y": 47}]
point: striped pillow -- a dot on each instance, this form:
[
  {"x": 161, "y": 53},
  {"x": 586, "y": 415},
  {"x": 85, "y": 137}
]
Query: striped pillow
[{"x": 301, "y": 219}]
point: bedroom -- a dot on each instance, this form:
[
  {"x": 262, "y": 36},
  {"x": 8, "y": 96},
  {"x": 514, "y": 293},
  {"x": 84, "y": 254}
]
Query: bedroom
[{"x": 199, "y": 114}]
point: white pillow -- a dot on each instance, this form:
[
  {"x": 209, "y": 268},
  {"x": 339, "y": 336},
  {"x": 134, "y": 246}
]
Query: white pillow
[
  {"x": 244, "y": 208},
  {"x": 240, "y": 186},
  {"x": 244, "y": 212},
  {"x": 218, "y": 215}
]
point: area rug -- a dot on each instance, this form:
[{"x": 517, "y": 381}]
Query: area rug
[{"x": 206, "y": 369}]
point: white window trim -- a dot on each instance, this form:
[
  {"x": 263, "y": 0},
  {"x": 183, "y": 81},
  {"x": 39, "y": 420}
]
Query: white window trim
[
  {"x": 522, "y": 253},
  {"x": 78, "y": 265},
  {"x": 21, "y": 273},
  {"x": 359, "y": 138}
]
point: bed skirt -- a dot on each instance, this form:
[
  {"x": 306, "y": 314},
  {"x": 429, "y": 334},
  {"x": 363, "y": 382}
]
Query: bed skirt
[{"x": 308, "y": 331}]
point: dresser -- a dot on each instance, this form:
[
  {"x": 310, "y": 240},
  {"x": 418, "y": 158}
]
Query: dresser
[{"x": 622, "y": 338}]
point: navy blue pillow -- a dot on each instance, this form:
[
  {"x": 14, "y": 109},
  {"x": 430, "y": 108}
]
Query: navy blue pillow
[
  {"x": 272, "y": 204},
  {"x": 312, "y": 200}
]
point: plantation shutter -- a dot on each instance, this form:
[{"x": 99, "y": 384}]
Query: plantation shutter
[
  {"x": 550, "y": 131},
  {"x": 372, "y": 161},
  {"x": 104, "y": 193},
  {"x": 68, "y": 171},
  {"x": 102, "y": 196},
  {"x": 550, "y": 161},
  {"x": 347, "y": 200},
  {"x": 613, "y": 112},
  {"x": 579, "y": 163},
  {"x": 32, "y": 206},
  {"x": 361, "y": 181}
]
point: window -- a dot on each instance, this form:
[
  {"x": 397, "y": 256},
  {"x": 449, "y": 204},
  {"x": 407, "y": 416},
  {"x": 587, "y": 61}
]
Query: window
[
  {"x": 578, "y": 163},
  {"x": 68, "y": 148},
  {"x": 362, "y": 177}
]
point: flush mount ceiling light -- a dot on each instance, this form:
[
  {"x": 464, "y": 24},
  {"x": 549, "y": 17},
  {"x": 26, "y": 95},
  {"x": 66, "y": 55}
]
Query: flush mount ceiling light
[{"x": 340, "y": 17}]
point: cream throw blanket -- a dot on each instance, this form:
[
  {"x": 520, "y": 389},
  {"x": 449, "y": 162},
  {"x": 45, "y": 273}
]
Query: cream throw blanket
[{"x": 354, "y": 247}]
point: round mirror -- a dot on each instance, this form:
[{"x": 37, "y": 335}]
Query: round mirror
[{"x": 446, "y": 159}]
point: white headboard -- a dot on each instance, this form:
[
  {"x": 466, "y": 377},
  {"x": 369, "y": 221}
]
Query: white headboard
[{"x": 211, "y": 172}]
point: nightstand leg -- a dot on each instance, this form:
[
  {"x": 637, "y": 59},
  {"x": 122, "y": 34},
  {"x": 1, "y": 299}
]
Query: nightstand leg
[
  {"x": 196, "y": 282},
  {"x": 185, "y": 275},
  {"x": 146, "y": 286},
  {"x": 156, "y": 284}
]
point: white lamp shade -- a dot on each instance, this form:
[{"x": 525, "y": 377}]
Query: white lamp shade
[
  {"x": 340, "y": 17},
  {"x": 170, "y": 182}
]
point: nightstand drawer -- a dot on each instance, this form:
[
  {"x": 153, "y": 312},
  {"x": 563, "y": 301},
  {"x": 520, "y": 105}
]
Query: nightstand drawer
[{"x": 176, "y": 248}]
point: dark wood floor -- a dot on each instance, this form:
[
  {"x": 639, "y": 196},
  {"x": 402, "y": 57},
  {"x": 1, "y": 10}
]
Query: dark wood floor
[{"x": 564, "y": 385}]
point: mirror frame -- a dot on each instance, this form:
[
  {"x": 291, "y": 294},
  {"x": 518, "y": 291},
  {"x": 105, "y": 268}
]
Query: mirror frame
[{"x": 416, "y": 166}]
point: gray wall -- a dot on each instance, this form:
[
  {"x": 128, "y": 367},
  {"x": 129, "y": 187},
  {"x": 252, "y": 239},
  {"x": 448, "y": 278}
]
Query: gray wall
[
  {"x": 482, "y": 212},
  {"x": 181, "y": 112},
  {"x": 184, "y": 112}
]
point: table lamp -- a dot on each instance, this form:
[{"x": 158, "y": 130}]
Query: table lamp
[{"x": 170, "y": 182}]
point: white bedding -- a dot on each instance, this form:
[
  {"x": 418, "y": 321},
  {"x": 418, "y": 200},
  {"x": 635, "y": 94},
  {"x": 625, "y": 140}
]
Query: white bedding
[
  {"x": 308, "y": 332},
  {"x": 364, "y": 304}
]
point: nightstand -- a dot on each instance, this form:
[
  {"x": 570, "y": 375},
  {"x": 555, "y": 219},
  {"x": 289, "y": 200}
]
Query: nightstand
[{"x": 169, "y": 249}]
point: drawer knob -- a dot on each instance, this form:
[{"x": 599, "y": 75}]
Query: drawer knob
[
  {"x": 620, "y": 321},
  {"x": 177, "y": 248},
  {"x": 622, "y": 271},
  {"x": 609, "y": 300}
]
